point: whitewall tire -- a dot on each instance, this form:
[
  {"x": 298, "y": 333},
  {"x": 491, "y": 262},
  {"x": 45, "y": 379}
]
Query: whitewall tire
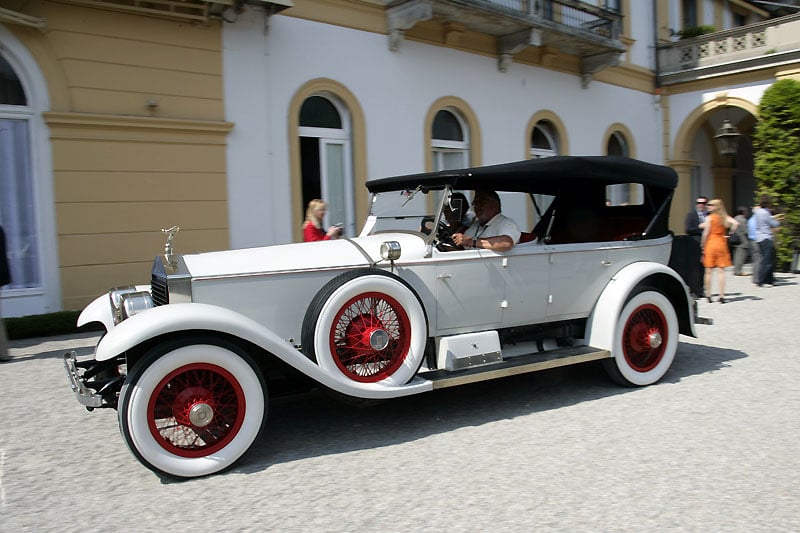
[
  {"x": 192, "y": 409},
  {"x": 366, "y": 327},
  {"x": 645, "y": 340}
]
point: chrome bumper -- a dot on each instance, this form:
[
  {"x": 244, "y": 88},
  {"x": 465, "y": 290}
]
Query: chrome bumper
[{"x": 83, "y": 394}]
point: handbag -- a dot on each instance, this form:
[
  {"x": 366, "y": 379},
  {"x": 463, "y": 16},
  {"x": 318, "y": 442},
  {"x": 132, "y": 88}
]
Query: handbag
[{"x": 734, "y": 239}]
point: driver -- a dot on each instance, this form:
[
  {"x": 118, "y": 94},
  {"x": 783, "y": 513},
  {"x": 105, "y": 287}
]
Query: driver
[{"x": 491, "y": 230}]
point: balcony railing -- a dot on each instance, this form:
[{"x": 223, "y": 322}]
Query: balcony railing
[
  {"x": 572, "y": 27},
  {"x": 579, "y": 16},
  {"x": 768, "y": 43}
]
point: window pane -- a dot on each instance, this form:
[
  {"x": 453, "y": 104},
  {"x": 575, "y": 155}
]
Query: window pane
[
  {"x": 11, "y": 92},
  {"x": 617, "y": 145},
  {"x": 449, "y": 159},
  {"x": 446, "y": 127},
  {"x": 334, "y": 164},
  {"x": 17, "y": 207},
  {"x": 544, "y": 136},
  {"x": 319, "y": 112}
]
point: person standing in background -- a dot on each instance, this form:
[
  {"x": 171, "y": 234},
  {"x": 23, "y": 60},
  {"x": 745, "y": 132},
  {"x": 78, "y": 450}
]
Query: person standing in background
[
  {"x": 765, "y": 223},
  {"x": 5, "y": 279},
  {"x": 743, "y": 246},
  {"x": 693, "y": 229},
  {"x": 715, "y": 245},
  {"x": 755, "y": 252},
  {"x": 312, "y": 227}
]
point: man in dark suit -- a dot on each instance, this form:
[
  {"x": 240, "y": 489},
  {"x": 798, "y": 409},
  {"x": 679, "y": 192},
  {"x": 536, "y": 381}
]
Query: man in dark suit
[
  {"x": 693, "y": 220},
  {"x": 697, "y": 217}
]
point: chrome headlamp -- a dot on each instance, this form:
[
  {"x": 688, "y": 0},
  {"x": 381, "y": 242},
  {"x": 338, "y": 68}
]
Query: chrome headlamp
[
  {"x": 135, "y": 303},
  {"x": 127, "y": 301},
  {"x": 390, "y": 250}
]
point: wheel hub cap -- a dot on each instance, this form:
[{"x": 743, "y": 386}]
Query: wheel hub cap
[
  {"x": 654, "y": 338},
  {"x": 379, "y": 339},
  {"x": 201, "y": 414}
]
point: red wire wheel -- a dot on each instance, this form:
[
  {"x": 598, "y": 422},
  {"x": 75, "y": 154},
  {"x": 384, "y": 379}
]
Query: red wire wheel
[
  {"x": 196, "y": 410},
  {"x": 644, "y": 339},
  {"x": 370, "y": 337}
]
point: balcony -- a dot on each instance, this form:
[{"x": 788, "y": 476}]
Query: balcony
[
  {"x": 568, "y": 26},
  {"x": 198, "y": 11},
  {"x": 770, "y": 43}
]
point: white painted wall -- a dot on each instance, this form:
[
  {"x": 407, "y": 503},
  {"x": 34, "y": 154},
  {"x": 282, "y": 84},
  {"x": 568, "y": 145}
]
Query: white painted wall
[
  {"x": 642, "y": 26},
  {"x": 395, "y": 91}
]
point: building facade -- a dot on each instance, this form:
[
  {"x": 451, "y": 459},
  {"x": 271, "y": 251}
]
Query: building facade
[{"x": 225, "y": 118}]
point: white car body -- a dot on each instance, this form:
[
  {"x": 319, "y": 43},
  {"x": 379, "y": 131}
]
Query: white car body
[{"x": 353, "y": 318}]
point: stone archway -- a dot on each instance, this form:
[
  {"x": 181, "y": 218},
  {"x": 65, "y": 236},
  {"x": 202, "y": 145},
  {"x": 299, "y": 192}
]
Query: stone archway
[{"x": 701, "y": 169}]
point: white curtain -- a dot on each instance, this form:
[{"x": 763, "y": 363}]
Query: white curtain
[{"x": 17, "y": 207}]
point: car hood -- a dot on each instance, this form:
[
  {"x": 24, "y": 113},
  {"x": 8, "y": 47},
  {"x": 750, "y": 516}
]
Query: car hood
[{"x": 353, "y": 253}]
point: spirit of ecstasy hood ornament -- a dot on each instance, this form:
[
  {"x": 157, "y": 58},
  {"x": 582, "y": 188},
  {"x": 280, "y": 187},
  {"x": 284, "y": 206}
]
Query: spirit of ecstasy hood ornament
[{"x": 168, "y": 252}]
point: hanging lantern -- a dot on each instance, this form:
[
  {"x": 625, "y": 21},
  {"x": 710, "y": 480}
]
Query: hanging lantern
[{"x": 727, "y": 139}]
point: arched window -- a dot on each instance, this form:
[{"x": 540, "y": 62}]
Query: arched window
[
  {"x": 544, "y": 140},
  {"x": 617, "y": 145},
  {"x": 449, "y": 141},
  {"x": 18, "y": 207},
  {"x": 326, "y": 159}
]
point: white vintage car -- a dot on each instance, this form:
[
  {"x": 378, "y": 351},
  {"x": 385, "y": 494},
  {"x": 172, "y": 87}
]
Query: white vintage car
[{"x": 190, "y": 361}]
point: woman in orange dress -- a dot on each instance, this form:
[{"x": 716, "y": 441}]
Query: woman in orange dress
[{"x": 714, "y": 241}]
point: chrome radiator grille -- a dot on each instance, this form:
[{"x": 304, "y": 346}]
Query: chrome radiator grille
[{"x": 159, "y": 289}]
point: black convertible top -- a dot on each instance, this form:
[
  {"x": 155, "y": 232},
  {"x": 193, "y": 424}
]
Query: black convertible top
[{"x": 548, "y": 175}]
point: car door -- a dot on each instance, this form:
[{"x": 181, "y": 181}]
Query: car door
[
  {"x": 525, "y": 271},
  {"x": 469, "y": 291},
  {"x": 578, "y": 274}
]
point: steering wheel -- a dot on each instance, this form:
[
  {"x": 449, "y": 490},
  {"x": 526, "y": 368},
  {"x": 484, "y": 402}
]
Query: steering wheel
[{"x": 444, "y": 238}]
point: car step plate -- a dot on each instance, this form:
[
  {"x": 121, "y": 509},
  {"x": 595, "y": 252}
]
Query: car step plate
[{"x": 520, "y": 364}]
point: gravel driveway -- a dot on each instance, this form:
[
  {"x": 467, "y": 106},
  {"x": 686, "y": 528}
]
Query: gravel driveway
[{"x": 712, "y": 447}]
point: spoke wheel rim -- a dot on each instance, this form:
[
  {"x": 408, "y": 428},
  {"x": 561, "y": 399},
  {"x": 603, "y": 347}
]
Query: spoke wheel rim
[
  {"x": 196, "y": 410},
  {"x": 644, "y": 340},
  {"x": 370, "y": 337}
]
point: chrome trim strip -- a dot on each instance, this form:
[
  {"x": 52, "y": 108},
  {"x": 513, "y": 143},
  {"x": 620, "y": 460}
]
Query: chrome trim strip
[
  {"x": 370, "y": 260},
  {"x": 279, "y": 272}
]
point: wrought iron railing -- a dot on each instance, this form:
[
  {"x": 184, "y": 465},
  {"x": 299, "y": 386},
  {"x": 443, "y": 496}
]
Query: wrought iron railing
[{"x": 573, "y": 14}]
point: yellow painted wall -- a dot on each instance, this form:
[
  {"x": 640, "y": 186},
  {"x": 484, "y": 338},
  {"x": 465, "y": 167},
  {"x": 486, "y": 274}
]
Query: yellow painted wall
[{"x": 137, "y": 137}]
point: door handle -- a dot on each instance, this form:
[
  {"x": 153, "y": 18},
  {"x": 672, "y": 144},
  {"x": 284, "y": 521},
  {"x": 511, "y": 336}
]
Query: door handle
[
  {"x": 607, "y": 263},
  {"x": 444, "y": 276}
]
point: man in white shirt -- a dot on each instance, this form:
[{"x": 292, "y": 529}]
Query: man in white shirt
[{"x": 491, "y": 230}]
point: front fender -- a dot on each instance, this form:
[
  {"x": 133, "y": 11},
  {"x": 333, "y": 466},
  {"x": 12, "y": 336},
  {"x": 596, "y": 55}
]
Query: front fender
[
  {"x": 197, "y": 316},
  {"x": 602, "y": 322},
  {"x": 99, "y": 310}
]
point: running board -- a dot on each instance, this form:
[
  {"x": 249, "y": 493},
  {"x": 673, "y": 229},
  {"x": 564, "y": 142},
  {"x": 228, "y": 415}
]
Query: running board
[{"x": 521, "y": 364}]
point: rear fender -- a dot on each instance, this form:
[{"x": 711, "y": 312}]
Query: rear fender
[
  {"x": 172, "y": 318},
  {"x": 602, "y": 322}
]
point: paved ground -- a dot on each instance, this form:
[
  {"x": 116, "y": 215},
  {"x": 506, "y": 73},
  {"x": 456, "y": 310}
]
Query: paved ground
[{"x": 713, "y": 447}]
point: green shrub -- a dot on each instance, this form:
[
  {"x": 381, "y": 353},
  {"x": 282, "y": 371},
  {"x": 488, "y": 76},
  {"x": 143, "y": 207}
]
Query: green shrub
[
  {"x": 46, "y": 325},
  {"x": 695, "y": 31},
  {"x": 776, "y": 145}
]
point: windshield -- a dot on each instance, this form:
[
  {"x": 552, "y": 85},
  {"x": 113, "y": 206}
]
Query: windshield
[{"x": 410, "y": 210}]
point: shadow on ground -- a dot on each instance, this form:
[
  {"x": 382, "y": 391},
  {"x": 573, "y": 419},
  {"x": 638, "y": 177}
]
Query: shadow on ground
[{"x": 312, "y": 425}]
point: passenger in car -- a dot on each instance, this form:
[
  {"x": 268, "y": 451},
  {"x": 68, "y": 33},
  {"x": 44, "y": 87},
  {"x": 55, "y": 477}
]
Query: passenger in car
[
  {"x": 455, "y": 213},
  {"x": 491, "y": 230}
]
